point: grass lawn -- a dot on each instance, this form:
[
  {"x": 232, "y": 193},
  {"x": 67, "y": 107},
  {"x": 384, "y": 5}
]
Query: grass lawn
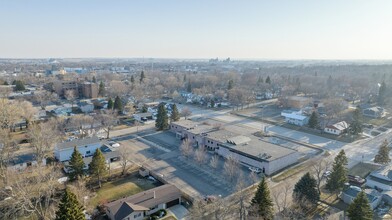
[
  {"x": 374, "y": 121},
  {"x": 290, "y": 172},
  {"x": 121, "y": 188},
  {"x": 362, "y": 169}
]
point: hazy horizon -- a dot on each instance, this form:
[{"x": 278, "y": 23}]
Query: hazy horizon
[{"x": 252, "y": 30}]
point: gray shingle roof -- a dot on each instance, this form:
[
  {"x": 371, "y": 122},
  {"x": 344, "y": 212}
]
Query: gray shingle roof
[{"x": 77, "y": 143}]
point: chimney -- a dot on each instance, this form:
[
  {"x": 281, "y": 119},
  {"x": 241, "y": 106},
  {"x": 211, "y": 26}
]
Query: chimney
[{"x": 154, "y": 194}]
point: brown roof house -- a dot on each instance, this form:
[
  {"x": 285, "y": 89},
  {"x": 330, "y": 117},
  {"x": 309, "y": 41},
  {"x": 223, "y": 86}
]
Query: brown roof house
[{"x": 144, "y": 203}]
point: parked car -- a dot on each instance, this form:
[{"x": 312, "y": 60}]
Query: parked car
[
  {"x": 356, "y": 180},
  {"x": 209, "y": 199},
  {"x": 114, "y": 144},
  {"x": 255, "y": 169}
]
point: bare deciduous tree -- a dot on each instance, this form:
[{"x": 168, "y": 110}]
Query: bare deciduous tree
[
  {"x": 186, "y": 148},
  {"x": 231, "y": 167},
  {"x": 71, "y": 96},
  {"x": 32, "y": 193},
  {"x": 42, "y": 137},
  {"x": 320, "y": 167},
  {"x": 214, "y": 161},
  {"x": 186, "y": 112},
  {"x": 281, "y": 198},
  {"x": 201, "y": 155},
  {"x": 125, "y": 154}
]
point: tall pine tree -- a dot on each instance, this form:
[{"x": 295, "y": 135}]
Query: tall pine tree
[
  {"x": 338, "y": 176},
  {"x": 360, "y": 208},
  {"x": 110, "y": 103},
  {"x": 356, "y": 124},
  {"x": 313, "y": 120},
  {"x": 94, "y": 79},
  {"x": 382, "y": 94},
  {"x": 268, "y": 80},
  {"x": 118, "y": 104},
  {"x": 263, "y": 202},
  {"x": 189, "y": 87},
  {"x": 132, "y": 79},
  {"x": 162, "y": 121},
  {"x": 142, "y": 76},
  {"x": 230, "y": 85},
  {"x": 305, "y": 191},
  {"x": 101, "y": 89},
  {"x": 98, "y": 166},
  {"x": 76, "y": 165},
  {"x": 69, "y": 207},
  {"x": 175, "y": 115},
  {"x": 382, "y": 156}
]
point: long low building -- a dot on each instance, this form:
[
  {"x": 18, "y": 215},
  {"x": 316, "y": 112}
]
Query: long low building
[
  {"x": 86, "y": 147},
  {"x": 250, "y": 150}
]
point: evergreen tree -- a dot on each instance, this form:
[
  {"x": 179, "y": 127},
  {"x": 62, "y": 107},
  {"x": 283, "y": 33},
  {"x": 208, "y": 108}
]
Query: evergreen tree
[
  {"x": 356, "y": 125},
  {"x": 260, "y": 80},
  {"x": 175, "y": 115},
  {"x": 382, "y": 156},
  {"x": 305, "y": 190},
  {"x": 330, "y": 82},
  {"x": 118, "y": 104},
  {"x": 360, "y": 208},
  {"x": 110, "y": 103},
  {"x": 263, "y": 202},
  {"x": 161, "y": 123},
  {"x": 189, "y": 88},
  {"x": 76, "y": 165},
  {"x": 212, "y": 103},
  {"x": 94, "y": 79},
  {"x": 142, "y": 76},
  {"x": 184, "y": 78},
  {"x": 230, "y": 85},
  {"x": 382, "y": 94},
  {"x": 313, "y": 120},
  {"x": 5, "y": 83},
  {"x": 268, "y": 80},
  {"x": 19, "y": 86},
  {"x": 101, "y": 89},
  {"x": 132, "y": 79},
  {"x": 338, "y": 176},
  {"x": 70, "y": 208},
  {"x": 98, "y": 166},
  {"x": 144, "y": 109}
]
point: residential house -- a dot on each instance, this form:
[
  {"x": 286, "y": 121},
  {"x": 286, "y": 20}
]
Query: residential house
[
  {"x": 143, "y": 204},
  {"x": 86, "y": 147},
  {"x": 380, "y": 179},
  {"x": 337, "y": 128},
  {"x": 143, "y": 117},
  {"x": 86, "y": 106},
  {"x": 348, "y": 195},
  {"x": 373, "y": 112},
  {"x": 295, "y": 118},
  {"x": 23, "y": 161}
]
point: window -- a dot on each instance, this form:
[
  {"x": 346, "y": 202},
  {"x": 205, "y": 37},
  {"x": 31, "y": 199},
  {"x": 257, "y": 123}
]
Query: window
[
  {"x": 212, "y": 142},
  {"x": 88, "y": 152}
]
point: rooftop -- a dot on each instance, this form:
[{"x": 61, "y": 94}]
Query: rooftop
[
  {"x": 186, "y": 123},
  {"x": 77, "y": 142},
  {"x": 261, "y": 149}
]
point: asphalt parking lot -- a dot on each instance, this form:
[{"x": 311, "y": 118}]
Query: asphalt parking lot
[{"x": 159, "y": 152}]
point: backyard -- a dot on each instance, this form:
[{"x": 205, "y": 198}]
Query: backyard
[{"x": 121, "y": 188}]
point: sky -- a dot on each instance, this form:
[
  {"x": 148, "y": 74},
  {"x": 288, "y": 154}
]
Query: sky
[{"x": 249, "y": 29}]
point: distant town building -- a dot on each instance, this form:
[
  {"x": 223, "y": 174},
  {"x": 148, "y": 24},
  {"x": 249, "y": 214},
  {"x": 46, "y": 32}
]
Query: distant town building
[
  {"x": 295, "y": 118},
  {"x": 337, "y": 128}
]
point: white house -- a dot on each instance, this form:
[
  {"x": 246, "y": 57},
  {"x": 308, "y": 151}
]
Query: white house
[
  {"x": 143, "y": 204},
  {"x": 86, "y": 147},
  {"x": 380, "y": 179},
  {"x": 337, "y": 128},
  {"x": 348, "y": 195},
  {"x": 143, "y": 117},
  {"x": 295, "y": 118}
]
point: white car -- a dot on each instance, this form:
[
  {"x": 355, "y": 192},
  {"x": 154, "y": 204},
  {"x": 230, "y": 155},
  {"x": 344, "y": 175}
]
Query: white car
[
  {"x": 255, "y": 169},
  {"x": 114, "y": 144}
]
